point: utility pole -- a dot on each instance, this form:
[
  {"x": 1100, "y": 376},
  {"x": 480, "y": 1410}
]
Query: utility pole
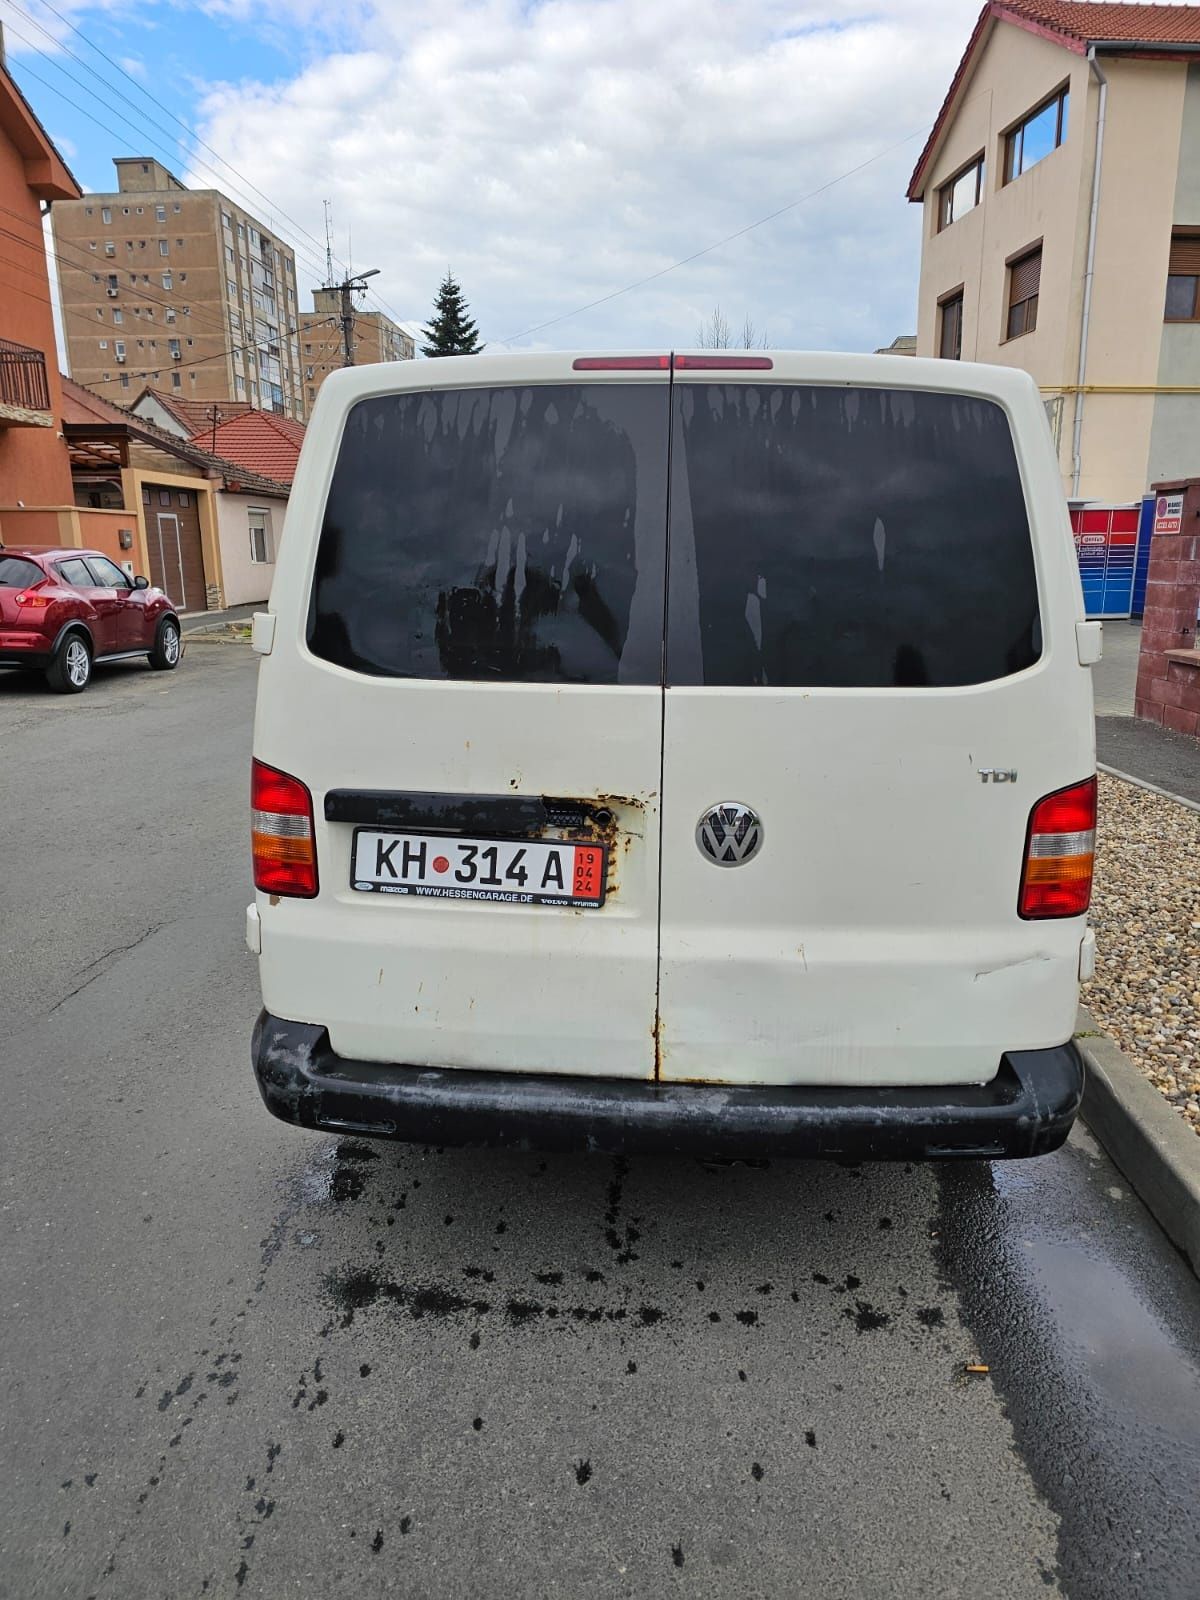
[
  {"x": 214, "y": 416},
  {"x": 346, "y": 289}
]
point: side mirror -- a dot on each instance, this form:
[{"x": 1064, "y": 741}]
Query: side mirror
[{"x": 141, "y": 583}]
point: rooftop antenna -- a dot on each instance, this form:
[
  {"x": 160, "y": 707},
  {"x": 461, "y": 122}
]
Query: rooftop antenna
[{"x": 328, "y": 243}]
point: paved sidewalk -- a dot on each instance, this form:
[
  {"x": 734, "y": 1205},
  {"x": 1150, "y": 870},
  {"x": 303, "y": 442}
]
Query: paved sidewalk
[
  {"x": 1115, "y": 674},
  {"x": 194, "y": 621},
  {"x": 1154, "y": 755}
]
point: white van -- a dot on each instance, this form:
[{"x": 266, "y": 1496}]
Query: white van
[{"x": 688, "y": 752}]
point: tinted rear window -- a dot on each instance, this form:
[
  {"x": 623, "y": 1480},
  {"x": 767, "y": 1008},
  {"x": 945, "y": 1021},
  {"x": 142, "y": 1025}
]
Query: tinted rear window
[
  {"x": 846, "y": 537},
  {"x": 513, "y": 534},
  {"x": 16, "y": 573}
]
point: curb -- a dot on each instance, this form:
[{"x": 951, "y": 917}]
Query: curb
[
  {"x": 1154, "y": 788},
  {"x": 1151, "y": 1144},
  {"x": 214, "y": 634}
]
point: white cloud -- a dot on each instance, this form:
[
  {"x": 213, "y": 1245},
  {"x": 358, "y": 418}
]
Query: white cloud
[{"x": 550, "y": 153}]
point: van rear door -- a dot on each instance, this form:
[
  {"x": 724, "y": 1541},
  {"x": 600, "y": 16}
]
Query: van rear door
[
  {"x": 473, "y": 693},
  {"x": 871, "y": 603}
]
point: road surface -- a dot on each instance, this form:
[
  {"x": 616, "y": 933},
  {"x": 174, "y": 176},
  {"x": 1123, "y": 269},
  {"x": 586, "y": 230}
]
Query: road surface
[{"x": 241, "y": 1360}]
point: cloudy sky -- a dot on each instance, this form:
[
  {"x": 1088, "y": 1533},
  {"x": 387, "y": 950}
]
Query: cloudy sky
[{"x": 551, "y": 152}]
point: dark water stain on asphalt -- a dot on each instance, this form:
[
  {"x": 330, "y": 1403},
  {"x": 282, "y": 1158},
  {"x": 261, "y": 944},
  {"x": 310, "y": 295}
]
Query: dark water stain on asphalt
[
  {"x": 1090, "y": 1326},
  {"x": 583, "y": 1471},
  {"x": 866, "y": 1318}
]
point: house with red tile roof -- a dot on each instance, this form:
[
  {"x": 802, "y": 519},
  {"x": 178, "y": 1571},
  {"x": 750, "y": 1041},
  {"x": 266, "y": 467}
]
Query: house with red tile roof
[
  {"x": 260, "y": 441},
  {"x": 187, "y": 419},
  {"x": 201, "y": 527},
  {"x": 33, "y": 464},
  {"x": 1060, "y": 186}
]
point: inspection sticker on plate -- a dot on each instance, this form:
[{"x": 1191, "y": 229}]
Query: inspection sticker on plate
[{"x": 510, "y": 871}]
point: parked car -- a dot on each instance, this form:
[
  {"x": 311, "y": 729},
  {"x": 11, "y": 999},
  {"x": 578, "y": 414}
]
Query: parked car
[
  {"x": 688, "y": 752},
  {"x": 66, "y": 610}
]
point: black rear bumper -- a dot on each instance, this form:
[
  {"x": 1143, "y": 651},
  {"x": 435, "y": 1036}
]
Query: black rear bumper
[{"x": 1027, "y": 1109}]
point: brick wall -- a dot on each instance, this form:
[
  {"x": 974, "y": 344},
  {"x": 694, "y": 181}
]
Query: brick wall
[{"x": 1168, "y": 680}]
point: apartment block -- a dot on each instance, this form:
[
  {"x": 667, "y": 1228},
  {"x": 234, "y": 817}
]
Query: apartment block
[
  {"x": 1061, "y": 195},
  {"x": 376, "y": 338},
  {"x": 177, "y": 288}
]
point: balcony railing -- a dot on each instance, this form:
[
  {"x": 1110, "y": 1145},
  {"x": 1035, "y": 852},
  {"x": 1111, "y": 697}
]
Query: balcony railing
[{"x": 23, "y": 377}]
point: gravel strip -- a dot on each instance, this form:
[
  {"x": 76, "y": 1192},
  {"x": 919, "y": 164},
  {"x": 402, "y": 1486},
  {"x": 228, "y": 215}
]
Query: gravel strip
[{"x": 1146, "y": 913}]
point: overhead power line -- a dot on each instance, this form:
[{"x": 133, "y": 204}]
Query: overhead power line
[
  {"x": 308, "y": 257},
  {"x": 708, "y": 249}
]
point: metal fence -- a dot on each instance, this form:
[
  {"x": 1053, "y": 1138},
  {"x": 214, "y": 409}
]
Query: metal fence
[{"x": 23, "y": 377}]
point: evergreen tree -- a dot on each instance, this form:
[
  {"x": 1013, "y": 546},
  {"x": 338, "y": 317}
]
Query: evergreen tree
[{"x": 451, "y": 331}]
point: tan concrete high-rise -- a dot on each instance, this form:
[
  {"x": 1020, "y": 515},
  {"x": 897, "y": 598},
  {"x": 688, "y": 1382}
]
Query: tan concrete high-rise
[
  {"x": 376, "y": 338},
  {"x": 178, "y": 288}
]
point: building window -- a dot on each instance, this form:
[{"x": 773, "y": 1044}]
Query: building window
[
  {"x": 124, "y": 380},
  {"x": 185, "y": 498},
  {"x": 177, "y": 380},
  {"x": 260, "y": 536},
  {"x": 176, "y": 208},
  {"x": 160, "y": 213},
  {"x": 118, "y": 315},
  {"x": 167, "y": 282},
  {"x": 1183, "y": 279},
  {"x": 110, "y": 248},
  {"x": 170, "y": 314},
  {"x": 104, "y": 344},
  {"x": 164, "y": 247},
  {"x": 961, "y": 194},
  {"x": 140, "y": 209},
  {"x": 164, "y": 497},
  {"x": 1024, "y": 281},
  {"x": 1041, "y": 132},
  {"x": 173, "y": 347},
  {"x": 950, "y": 316},
  {"x": 239, "y": 383},
  {"x": 232, "y": 287}
]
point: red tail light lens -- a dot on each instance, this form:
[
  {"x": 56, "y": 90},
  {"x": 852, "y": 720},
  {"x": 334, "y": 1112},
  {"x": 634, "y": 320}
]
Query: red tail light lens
[
  {"x": 281, "y": 824},
  {"x": 30, "y": 601},
  {"x": 621, "y": 364},
  {"x": 723, "y": 364},
  {"x": 1060, "y": 853}
]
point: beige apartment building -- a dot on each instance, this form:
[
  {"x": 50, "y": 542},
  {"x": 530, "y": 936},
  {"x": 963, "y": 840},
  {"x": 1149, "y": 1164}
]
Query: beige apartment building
[
  {"x": 177, "y": 288},
  {"x": 1061, "y": 229},
  {"x": 375, "y": 338}
]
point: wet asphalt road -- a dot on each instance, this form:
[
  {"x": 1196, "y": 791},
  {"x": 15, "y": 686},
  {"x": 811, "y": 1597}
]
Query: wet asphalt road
[{"x": 241, "y": 1360}]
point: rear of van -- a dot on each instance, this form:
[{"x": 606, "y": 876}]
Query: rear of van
[{"x": 687, "y": 752}]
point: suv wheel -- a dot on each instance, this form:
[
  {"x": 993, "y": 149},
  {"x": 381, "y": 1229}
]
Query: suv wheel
[
  {"x": 71, "y": 670},
  {"x": 165, "y": 655}
]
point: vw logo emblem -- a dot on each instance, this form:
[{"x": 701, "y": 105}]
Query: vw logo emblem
[{"x": 730, "y": 833}]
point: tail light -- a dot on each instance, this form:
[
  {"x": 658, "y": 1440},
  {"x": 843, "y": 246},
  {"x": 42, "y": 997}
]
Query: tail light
[
  {"x": 621, "y": 364},
  {"x": 1057, "y": 880},
  {"x": 281, "y": 822},
  {"x": 28, "y": 600},
  {"x": 723, "y": 363}
]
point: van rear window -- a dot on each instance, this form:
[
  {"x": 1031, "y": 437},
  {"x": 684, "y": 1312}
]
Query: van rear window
[
  {"x": 512, "y": 534},
  {"x": 839, "y": 537}
]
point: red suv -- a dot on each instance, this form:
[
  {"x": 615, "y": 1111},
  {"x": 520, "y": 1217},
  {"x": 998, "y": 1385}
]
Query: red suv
[{"x": 64, "y": 610}]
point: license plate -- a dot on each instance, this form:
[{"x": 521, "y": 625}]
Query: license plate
[{"x": 508, "y": 871}]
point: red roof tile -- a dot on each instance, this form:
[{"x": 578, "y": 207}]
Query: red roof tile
[
  {"x": 194, "y": 414},
  {"x": 1075, "y": 24},
  {"x": 259, "y": 441}
]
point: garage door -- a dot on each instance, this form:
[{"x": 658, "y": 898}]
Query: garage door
[{"x": 173, "y": 543}]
